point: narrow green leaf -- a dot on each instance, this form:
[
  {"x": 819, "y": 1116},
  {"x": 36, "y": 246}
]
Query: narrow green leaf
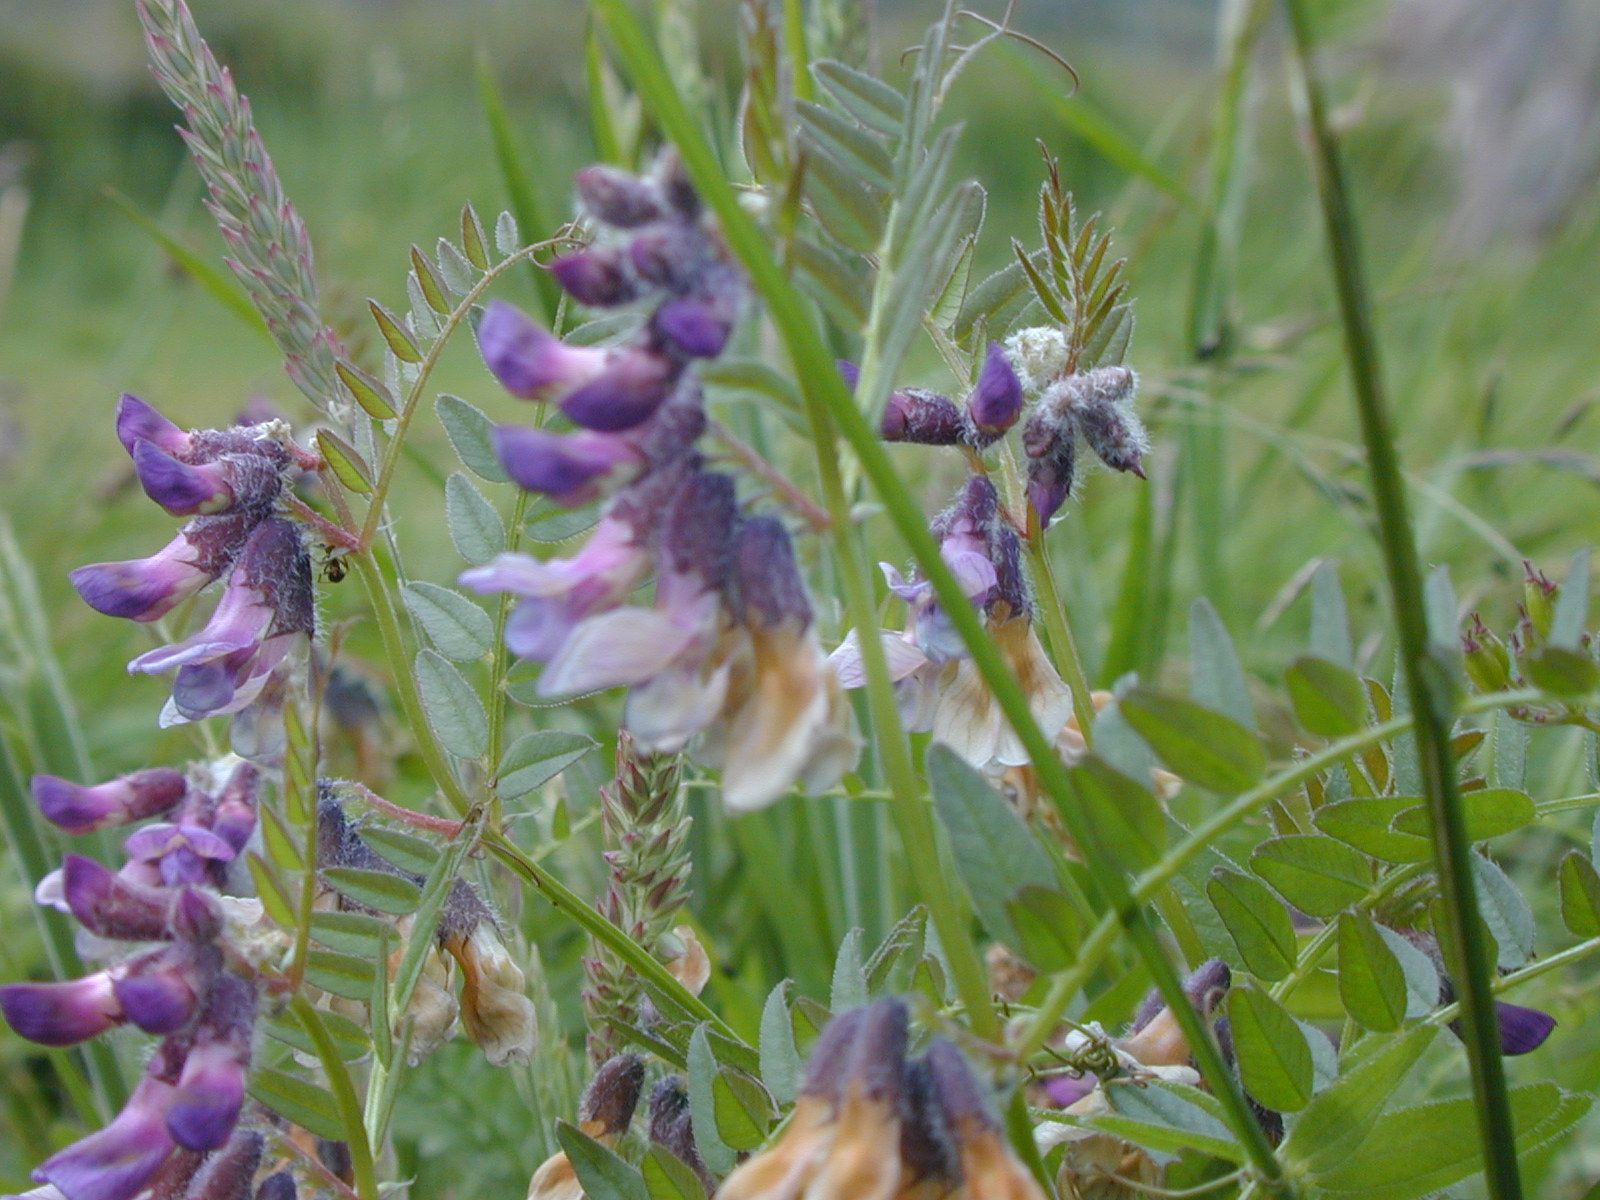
[
  {"x": 1316, "y": 874},
  {"x": 1371, "y": 982},
  {"x": 349, "y": 1037},
  {"x": 302, "y": 1103},
  {"x": 1048, "y": 927},
  {"x": 453, "y": 708},
  {"x": 865, "y": 97},
  {"x": 1572, "y": 604},
  {"x": 395, "y": 333},
  {"x": 849, "y": 976},
  {"x": 1367, "y": 824},
  {"x": 602, "y": 1172},
  {"x": 1257, "y": 922},
  {"x": 342, "y": 974},
  {"x": 373, "y": 397},
  {"x": 349, "y": 933},
  {"x": 1329, "y": 700},
  {"x": 1488, "y": 812},
  {"x": 995, "y": 854},
  {"x": 536, "y": 758},
  {"x": 272, "y": 893},
  {"x": 1197, "y": 743},
  {"x": 345, "y": 463},
  {"x": 1505, "y": 911},
  {"x": 1580, "y": 895},
  {"x": 1421, "y": 976},
  {"x": 1127, "y": 819},
  {"x": 1217, "y": 680},
  {"x": 719, "y": 1157},
  {"x": 454, "y": 623},
  {"x": 407, "y": 851},
  {"x": 668, "y": 1177},
  {"x": 476, "y": 529},
  {"x": 433, "y": 288},
  {"x": 858, "y": 149},
  {"x": 471, "y": 433},
  {"x": 780, "y": 1060},
  {"x": 1339, "y": 1118},
  {"x": 1330, "y": 621},
  {"x": 1274, "y": 1058},
  {"x": 1167, "y": 1117},
  {"x": 473, "y": 241},
  {"x": 519, "y": 187},
  {"x": 380, "y": 890}
]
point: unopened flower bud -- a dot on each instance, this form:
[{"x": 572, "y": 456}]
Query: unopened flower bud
[
  {"x": 77, "y": 808},
  {"x": 923, "y": 418},
  {"x": 279, "y": 1185},
  {"x": 608, "y": 1103},
  {"x": 531, "y": 362},
  {"x": 668, "y": 256},
  {"x": 771, "y": 590},
  {"x": 183, "y": 490},
  {"x": 1538, "y": 599},
  {"x": 996, "y": 401},
  {"x": 1488, "y": 662},
  {"x": 229, "y": 1173},
  {"x": 568, "y": 468},
  {"x": 210, "y": 1089},
  {"x": 672, "y": 1126},
  {"x": 61, "y": 1014},
  {"x": 626, "y": 393},
  {"x": 137, "y": 421},
  {"x": 692, "y": 327},
  {"x": 597, "y": 277},
  {"x": 1051, "y": 470},
  {"x": 617, "y": 198}
]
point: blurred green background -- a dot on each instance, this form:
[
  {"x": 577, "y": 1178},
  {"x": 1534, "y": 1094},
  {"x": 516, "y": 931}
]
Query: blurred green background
[{"x": 1472, "y": 138}]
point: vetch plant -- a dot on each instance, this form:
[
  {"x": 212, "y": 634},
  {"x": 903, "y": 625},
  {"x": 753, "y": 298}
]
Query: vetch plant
[{"x": 881, "y": 898}]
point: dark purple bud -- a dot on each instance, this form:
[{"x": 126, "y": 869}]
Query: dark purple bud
[
  {"x": 229, "y": 1173},
  {"x": 959, "y": 1094},
  {"x": 924, "y": 418},
  {"x": 113, "y": 906},
  {"x": 877, "y": 1067},
  {"x": 1522, "y": 1030},
  {"x": 1207, "y": 985},
  {"x": 697, "y": 532},
  {"x": 210, "y": 1092},
  {"x": 278, "y": 1186},
  {"x": 1010, "y": 582},
  {"x": 830, "y": 1056},
  {"x": 61, "y": 1014},
  {"x": 597, "y": 277},
  {"x": 694, "y": 328},
  {"x": 137, "y": 421},
  {"x": 996, "y": 402},
  {"x": 531, "y": 362},
  {"x": 613, "y": 1093},
  {"x": 196, "y": 917},
  {"x": 1115, "y": 435},
  {"x": 181, "y": 489},
  {"x": 146, "y": 589},
  {"x": 617, "y": 198},
  {"x": 234, "y": 819},
  {"x": 160, "y": 991},
  {"x": 925, "y": 1145},
  {"x": 670, "y": 257},
  {"x": 1051, "y": 475},
  {"x": 626, "y": 394},
  {"x": 672, "y": 1127},
  {"x": 676, "y": 185},
  {"x": 116, "y": 1162},
  {"x": 569, "y": 468},
  {"x": 978, "y": 504},
  {"x": 771, "y": 590},
  {"x": 80, "y": 809}
]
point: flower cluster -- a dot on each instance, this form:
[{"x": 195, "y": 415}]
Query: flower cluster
[
  {"x": 494, "y": 1004},
  {"x": 871, "y": 1122},
  {"x": 727, "y": 653},
  {"x": 169, "y": 934},
  {"x": 938, "y": 685},
  {"x": 229, "y": 482}
]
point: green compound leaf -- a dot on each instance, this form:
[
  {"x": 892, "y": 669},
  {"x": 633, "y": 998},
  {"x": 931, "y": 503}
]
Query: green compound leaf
[
  {"x": 305, "y": 1104},
  {"x": 476, "y": 529},
  {"x": 453, "y": 708},
  {"x": 1372, "y": 983},
  {"x": 1580, "y": 895},
  {"x": 1316, "y": 874},
  {"x": 536, "y": 758},
  {"x": 457, "y": 626},
  {"x": 1329, "y": 700}
]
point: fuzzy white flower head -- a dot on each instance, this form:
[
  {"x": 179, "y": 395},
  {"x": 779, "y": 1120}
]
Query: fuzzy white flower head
[{"x": 1039, "y": 355}]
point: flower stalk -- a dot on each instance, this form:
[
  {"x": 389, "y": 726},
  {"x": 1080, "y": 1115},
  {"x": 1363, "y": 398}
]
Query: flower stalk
[{"x": 1452, "y": 850}]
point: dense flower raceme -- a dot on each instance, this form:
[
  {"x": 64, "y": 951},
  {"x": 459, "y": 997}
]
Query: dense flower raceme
[
  {"x": 871, "y": 1122},
  {"x": 494, "y": 1005},
  {"x": 938, "y": 685},
  {"x": 171, "y": 940},
  {"x": 726, "y": 655},
  {"x": 229, "y": 483}
]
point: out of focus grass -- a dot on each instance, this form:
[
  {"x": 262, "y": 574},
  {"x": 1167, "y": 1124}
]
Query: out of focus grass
[{"x": 371, "y": 114}]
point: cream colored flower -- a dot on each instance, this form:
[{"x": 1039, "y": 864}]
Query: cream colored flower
[
  {"x": 691, "y": 966},
  {"x": 494, "y": 1004}
]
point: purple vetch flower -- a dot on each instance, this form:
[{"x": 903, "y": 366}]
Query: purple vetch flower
[
  {"x": 557, "y": 594},
  {"x": 111, "y": 905},
  {"x": 693, "y": 327},
  {"x": 78, "y": 808},
  {"x": 267, "y": 609},
  {"x": 665, "y": 653},
  {"x": 996, "y": 401},
  {"x": 598, "y": 277},
  {"x": 572, "y": 469},
  {"x": 62, "y": 1014},
  {"x": 529, "y": 361},
  {"x": 147, "y": 589},
  {"x": 210, "y": 1087},
  {"x": 1052, "y": 464},
  {"x": 233, "y": 816},
  {"x": 624, "y": 394},
  {"x": 1522, "y": 1030},
  {"x": 176, "y": 854},
  {"x": 671, "y": 1126},
  {"x": 116, "y": 1162},
  {"x": 139, "y": 422},
  {"x": 614, "y": 197},
  {"x": 230, "y": 1173},
  {"x": 785, "y": 721}
]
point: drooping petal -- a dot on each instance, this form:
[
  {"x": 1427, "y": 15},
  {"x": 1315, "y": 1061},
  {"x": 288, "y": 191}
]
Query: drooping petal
[
  {"x": 116, "y": 1162},
  {"x": 183, "y": 490},
  {"x": 1522, "y": 1030},
  {"x": 61, "y": 1014},
  {"x": 80, "y": 809},
  {"x": 531, "y": 362}
]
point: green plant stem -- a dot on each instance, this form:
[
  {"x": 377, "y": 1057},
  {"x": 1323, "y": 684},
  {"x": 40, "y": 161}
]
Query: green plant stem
[
  {"x": 824, "y": 388},
  {"x": 1048, "y": 1015},
  {"x": 913, "y": 818},
  {"x": 1465, "y": 942},
  {"x": 1063, "y": 646},
  {"x": 408, "y": 409},
  {"x": 344, "y": 1097}
]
